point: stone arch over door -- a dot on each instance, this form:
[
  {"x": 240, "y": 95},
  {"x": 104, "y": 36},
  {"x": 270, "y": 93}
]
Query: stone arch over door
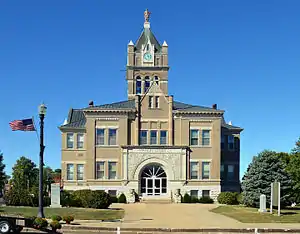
[{"x": 169, "y": 171}]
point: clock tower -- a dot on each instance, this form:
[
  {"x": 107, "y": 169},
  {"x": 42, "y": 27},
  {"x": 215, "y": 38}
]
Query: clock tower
[{"x": 147, "y": 62}]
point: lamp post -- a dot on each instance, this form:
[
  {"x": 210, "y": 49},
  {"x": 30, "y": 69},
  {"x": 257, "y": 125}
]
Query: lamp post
[{"x": 42, "y": 113}]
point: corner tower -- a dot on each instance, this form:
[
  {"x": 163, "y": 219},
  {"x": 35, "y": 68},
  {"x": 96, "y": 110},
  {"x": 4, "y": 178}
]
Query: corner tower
[{"x": 147, "y": 62}]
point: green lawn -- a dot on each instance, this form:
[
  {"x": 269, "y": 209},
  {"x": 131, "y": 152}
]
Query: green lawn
[
  {"x": 251, "y": 215},
  {"x": 79, "y": 213}
]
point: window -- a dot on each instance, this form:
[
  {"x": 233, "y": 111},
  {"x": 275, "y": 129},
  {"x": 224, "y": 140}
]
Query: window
[
  {"x": 80, "y": 170},
  {"x": 194, "y": 193},
  {"x": 100, "y": 136},
  {"x": 138, "y": 85},
  {"x": 143, "y": 137},
  {"x": 100, "y": 171},
  {"x": 150, "y": 102},
  {"x": 70, "y": 140},
  {"x": 147, "y": 84},
  {"x": 205, "y": 137},
  {"x": 222, "y": 141},
  {"x": 194, "y": 136},
  {"x": 194, "y": 170},
  {"x": 70, "y": 171},
  {"x": 205, "y": 170},
  {"x": 80, "y": 138},
  {"x": 157, "y": 62},
  {"x": 153, "y": 137},
  {"x": 205, "y": 193},
  {"x": 156, "y": 79},
  {"x": 156, "y": 102},
  {"x": 112, "y": 170},
  {"x": 112, "y": 136},
  {"x": 230, "y": 142},
  {"x": 112, "y": 193},
  {"x": 230, "y": 172},
  {"x": 163, "y": 137},
  {"x": 222, "y": 171}
]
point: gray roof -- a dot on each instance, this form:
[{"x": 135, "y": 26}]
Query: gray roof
[
  {"x": 143, "y": 39},
  {"x": 76, "y": 118}
]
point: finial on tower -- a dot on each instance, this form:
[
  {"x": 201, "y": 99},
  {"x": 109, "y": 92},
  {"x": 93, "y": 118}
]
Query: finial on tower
[{"x": 147, "y": 15}]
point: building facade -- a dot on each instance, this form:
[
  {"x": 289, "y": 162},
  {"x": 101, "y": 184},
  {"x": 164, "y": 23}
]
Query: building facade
[{"x": 150, "y": 143}]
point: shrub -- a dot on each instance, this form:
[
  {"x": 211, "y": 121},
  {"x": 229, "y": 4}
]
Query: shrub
[
  {"x": 194, "y": 200},
  {"x": 186, "y": 198},
  {"x": 18, "y": 197},
  {"x": 68, "y": 219},
  {"x": 100, "y": 200},
  {"x": 206, "y": 200},
  {"x": 228, "y": 198},
  {"x": 40, "y": 223},
  {"x": 56, "y": 218},
  {"x": 114, "y": 199},
  {"x": 55, "y": 225},
  {"x": 122, "y": 198},
  {"x": 240, "y": 198},
  {"x": 82, "y": 198}
]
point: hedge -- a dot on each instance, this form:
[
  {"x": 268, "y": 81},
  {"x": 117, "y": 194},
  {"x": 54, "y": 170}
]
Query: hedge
[{"x": 228, "y": 198}]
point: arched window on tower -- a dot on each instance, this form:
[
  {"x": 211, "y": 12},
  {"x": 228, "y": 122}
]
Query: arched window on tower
[
  {"x": 138, "y": 85},
  {"x": 156, "y": 79},
  {"x": 147, "y": 83}
]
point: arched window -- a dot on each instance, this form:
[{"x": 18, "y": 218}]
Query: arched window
[
  {"x": 147, "y": 83},
  {"x": 156, "y": 79},
  {"x": 138, "y": 86}
]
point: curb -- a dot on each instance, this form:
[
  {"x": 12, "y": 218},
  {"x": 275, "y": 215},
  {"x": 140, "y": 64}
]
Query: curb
[{"x": 185, "y": 230}]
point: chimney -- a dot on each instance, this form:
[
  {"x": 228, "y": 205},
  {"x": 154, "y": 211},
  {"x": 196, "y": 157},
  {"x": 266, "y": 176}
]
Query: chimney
[
  {"x": 214, "y": 106},
  {"x": 91, "y": 103}
]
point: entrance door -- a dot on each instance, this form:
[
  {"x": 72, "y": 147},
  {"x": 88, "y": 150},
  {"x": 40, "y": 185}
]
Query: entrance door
[{"x": 153, "y": 181}]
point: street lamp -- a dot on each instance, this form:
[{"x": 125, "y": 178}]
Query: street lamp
[{"x": 42, "y": 113}]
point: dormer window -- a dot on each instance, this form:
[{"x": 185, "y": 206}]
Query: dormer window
[
  {"x": 138, "y": 85},
  {"x": 147, "y": 84}
]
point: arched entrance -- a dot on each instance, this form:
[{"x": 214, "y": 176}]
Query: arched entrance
[{"x": 153, "y": 180}]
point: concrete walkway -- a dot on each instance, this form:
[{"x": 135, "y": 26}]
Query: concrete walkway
[{"x": 141, "y": 215}]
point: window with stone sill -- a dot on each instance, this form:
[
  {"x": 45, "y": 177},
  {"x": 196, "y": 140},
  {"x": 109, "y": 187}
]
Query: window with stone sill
[
  {"x": 80, "y": 140},
  {"x": 194, "y": 137},
  {"x": 100, "y": 136},
  {"x": 147, "y": 84},
  {"x": 163, "y": 137},
  {"x": 112, "y": 136},
  {"x": 100, "y": 170},
  {"x": 80, "y": 171},
  {"x": 205, "y": 193},
  {"x": 153, "y": 137},
  {"x": 230, "y": 172},
  {"x": 194, "y": 193},
  {"x": 194, "y": 169},
  {"x": 112, "y": 193},
  {"x": 205, "y": 170},
  {"x": 70, "y": 171},
  {"x": 222, "y": 171},
  {"x": 156, "y": 102},
  {"x": 205, "y": 137},
  {"x": 230, "y": 142},
  {"x": 112, "y": 170},
  {"x": 70, "y": 140},
  {"x": 143, "y": 137},
  {"x": 150, "y": 104}
]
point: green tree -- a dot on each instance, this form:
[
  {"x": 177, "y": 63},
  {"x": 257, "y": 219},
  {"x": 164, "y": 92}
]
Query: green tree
[
  {"x": 24, "y": 174},
  {"x": 3, "y": 176},
  {"x": 264, "y": 169},
  {"x": 293, "y": 169}
]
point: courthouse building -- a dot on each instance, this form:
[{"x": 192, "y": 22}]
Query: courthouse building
[{"x": 150, "y": 142}]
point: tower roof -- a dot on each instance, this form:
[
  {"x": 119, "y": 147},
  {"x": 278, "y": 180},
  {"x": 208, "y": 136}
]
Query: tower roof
[{"x": 147, "y": 35}]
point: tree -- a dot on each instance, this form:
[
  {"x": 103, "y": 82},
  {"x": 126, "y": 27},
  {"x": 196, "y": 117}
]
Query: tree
[
  {"x": 24, "y": 173},
  {"x": 3, "y": 176},
  {"x": 264, "y": 169},
  {"x": 292, "y": 167}
]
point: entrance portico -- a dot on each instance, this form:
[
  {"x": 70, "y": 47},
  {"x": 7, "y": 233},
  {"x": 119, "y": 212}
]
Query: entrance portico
[{"x": 154, "y": 171}]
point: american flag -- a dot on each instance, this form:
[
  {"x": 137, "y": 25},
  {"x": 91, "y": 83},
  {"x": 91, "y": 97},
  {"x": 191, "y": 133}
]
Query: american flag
[{"x": 22, "y": 125}]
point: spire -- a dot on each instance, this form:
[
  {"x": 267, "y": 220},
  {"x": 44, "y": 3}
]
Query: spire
[
  {"x": 131, "y": 43},
  {"x": 147, "y": 17},
  {"x": 165, "y": 44}
]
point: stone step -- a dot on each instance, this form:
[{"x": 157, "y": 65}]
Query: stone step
[{"x": 156, "y": 201}]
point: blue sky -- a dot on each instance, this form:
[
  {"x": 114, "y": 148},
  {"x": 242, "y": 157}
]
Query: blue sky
[{"x": 242, "y": 55}]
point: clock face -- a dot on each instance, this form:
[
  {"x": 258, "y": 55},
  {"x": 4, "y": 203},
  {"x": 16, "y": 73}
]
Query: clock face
[{"x": 147, "y": 57}]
